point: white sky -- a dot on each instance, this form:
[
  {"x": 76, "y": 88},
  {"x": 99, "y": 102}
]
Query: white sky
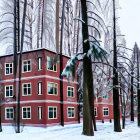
[{"x": 130, "y": 21}]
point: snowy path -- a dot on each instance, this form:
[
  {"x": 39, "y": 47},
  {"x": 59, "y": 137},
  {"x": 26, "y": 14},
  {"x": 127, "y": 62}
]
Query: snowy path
[{"x": 72, "y": 132}]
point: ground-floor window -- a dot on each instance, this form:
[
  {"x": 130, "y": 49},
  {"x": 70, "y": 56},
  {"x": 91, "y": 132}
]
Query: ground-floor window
[
  {"x": 95, "y": 111},
  {"x": 52, "y": 112},
  {"x": 105, "y": 111},
  {"x": 26, "y": 112},
  {"x": 39, "y": 112},
  {"x": 9, "y": 113},
  {"x": 71, "y": 112}
]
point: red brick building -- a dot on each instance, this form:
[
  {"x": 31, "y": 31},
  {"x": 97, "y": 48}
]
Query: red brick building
[{"x": 40, "y": 90}]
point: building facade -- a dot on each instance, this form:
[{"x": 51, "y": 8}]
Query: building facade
[{"x": 40, "y": 90}]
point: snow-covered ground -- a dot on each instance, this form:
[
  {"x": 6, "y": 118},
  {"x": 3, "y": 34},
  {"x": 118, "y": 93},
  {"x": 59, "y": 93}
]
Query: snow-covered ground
[{"x": 73, "y": 132}]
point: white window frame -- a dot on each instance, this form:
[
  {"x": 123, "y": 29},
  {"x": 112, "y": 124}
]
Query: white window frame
[
  {"x": 70, "y": 92},
  {"x": 95, "y": 110},
  {"x": 48, "y": 88},
  {"x": 26, "y": 112},
  {"x": 27, "y": 67},
  {"x": 10, "y": 112},
  {"x": 9, "y": 91},
  {"x": 9, "y": 69},
  {"x": 53, "y": 65},
  {"x": 40, "y": 88},
  {"x": 105, "y": 110},
  {"x": 39, "y": 63},
  {"x": 71, "y": 111},
  {"x": 53, "y": 112},
  {"x": 27, "y": 90},
  {"x": 39, "y": 112}
]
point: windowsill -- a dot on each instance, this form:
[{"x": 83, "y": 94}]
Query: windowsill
[
  {"x": 53, "y": 94},
  {"x": 71, "y": 117},
  {"x": 26, "y": 118},
  {"x": 52, "y": 70},
  {"x": 39, "y": 119},
  {"x": 39, "y": 94},
  {"x": 39, "y": 69},
  {"x": 26, "y": 72},
  {"x": 9, "y": 74},
  {"x": 26, "y": 95}
]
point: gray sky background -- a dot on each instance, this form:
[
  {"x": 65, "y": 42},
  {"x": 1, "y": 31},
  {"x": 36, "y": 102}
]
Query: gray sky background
[{"x": 130, "y": 21}]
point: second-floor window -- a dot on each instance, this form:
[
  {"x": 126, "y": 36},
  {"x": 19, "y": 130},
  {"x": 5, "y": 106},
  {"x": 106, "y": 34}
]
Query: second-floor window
[
  {"x": 50, "y": 65},
  {"x": 26, "y": 66},
  {"x": 105, "y": 96},
  {"x": 52, "y": 88},
  {"x": 39, "y": 63},
  {"x": 39, "y": 88},
  {"x": 70, "y": 91},
  {"x": 26, "y": 89},
  {"x": 9, "y": 91},
  {"x": 8, "y": 68}
]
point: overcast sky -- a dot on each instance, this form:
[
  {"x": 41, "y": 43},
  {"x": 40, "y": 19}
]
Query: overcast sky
[{"x": 130, "y": 21}]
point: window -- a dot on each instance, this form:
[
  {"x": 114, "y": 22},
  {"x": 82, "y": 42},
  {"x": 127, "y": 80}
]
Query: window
[
  {"x": 26, "y": 66},
  {"x": 105, "y": 111},
  {"x": 70, "y": 91},
  {"x": 39, "y": 63},
  {"x": 9, "y": 91},
  {"x": 8, "y": 68},
  {"x": 95, "y": 111},
  {"x": 39, "y": 112},
  {"x": 105, "y": 96},
  {"x": 71, "y": 112},
  {"x": 26, "y": 112},
  {"x": 52, "y": 112},
  {"x": 52, "y": 88},
  {"x": 26, "y": 89},
  {"x": 39, "y": 88},
  {"x": 50, "y": 65},
  {"x": 9, "y": 113}
]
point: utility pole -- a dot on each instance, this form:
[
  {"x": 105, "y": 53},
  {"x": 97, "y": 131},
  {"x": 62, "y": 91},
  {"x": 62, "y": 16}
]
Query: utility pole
[
  {"x": 116, "y": 107},
  {"x": 61, "y": 64}
]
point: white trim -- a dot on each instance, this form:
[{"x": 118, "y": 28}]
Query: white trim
[
  {"x": 9, "y": 91},
  {"x": 70, "y": 92},
  {"x": 36, "y": 77},
  {"x": 105, "y": 110},
  {"x": 8, "y": 67},
  {"x": 95, "y": 108},
  {"x": 53, "y": 112},
  {"x": 56, "y": 88},
  {"x": 6, "y": 113},
  {"x": 71, "y": 112},
  {"x": 30, "y": 112},
  {"x": 27, "y": 68},
  {"x": 27, "y": 89}
]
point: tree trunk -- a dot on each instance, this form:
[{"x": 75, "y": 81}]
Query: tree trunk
[
  {"x": 132, "y": 108},
  {"x": 116, "y": 109},
  {"x": 87, "y": 78},
  {"x": 138, "y": 90}
]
